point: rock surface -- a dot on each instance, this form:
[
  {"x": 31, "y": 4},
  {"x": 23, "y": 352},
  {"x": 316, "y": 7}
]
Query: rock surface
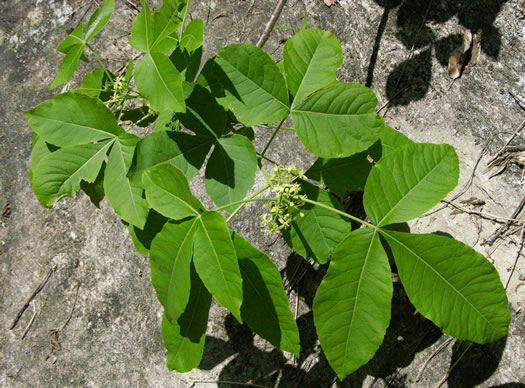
[{"x": 97, "y": 319}]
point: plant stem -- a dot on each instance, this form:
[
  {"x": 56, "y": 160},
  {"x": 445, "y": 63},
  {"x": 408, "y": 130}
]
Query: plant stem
[
  {"x": 266, "y": 176},
  {"x": 244, "y": 204},
  {"x": 181, "y": 28},
  {"x": 340, "y": 213},
  {"x": 285, "y": 128},
  {"x": 270, "y": 199},
  {"x": 100, "y": 61},
  {"x": 271, "y": 138}
]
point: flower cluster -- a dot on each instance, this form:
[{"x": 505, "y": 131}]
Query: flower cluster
[
  {"x": 288, "y": 197},
  {"x": 120, "y": 89}
]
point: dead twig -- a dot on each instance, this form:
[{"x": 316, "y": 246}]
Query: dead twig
[
  {"x": 271, "y": 23},
  {"x": 28, "y": 301},
  {"x": 226, "y": 382},
  {"x": 296, "y": 314},
  {"x": 469, "y": 181},
  {"x": 434, "y": 353},
  {"x": 132, "y": 5},
  {"x": 518, "y": 253},
  {"x": 35, "y": 313},
  {"x": 520, "y": 103},
  {"x": 516, "y": 133},
  {"x": 445, "y": 378},
  {"x": 488, "y": 216},
  {"x": 502, "y": 229},
  {"x": 72, "y": 309}
]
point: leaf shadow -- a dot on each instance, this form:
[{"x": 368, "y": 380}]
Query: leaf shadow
[
  {"x": 415, "y": 21},
  {"x": 477, "y": 363},
  {"x": 221, "y": 167},
  {"x": 218, "y": 81},
  {"x": 407, "y": 334}
]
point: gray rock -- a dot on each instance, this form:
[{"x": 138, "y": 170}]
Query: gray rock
[{"x": 113, "y": 335}]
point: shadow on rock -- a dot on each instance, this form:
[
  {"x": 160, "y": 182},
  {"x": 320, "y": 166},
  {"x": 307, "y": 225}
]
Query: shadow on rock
[
  {"x": 410, "y": 80},
  {"x": 407, "y": 334},
  {"x": 475, "y": 364}
]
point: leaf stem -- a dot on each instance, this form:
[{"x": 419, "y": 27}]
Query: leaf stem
[
  {"x": 266, "y": 176},
  {"x": 273, "y": 137},
  {"x": 244, "y": 204},
  {"x": 100, "y": 61},
  {"x": 285, "y": 128},
  {"x": 270, "y": 199},
  {"x": 181, "y": 29},
  {"x": 340, "y": 213}
]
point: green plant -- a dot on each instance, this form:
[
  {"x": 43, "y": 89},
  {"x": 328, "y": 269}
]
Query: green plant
[{"x": 80, "y": 143}]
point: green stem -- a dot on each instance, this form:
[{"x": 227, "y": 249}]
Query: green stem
[
  {"x": 100, "y": 61},
  {"x": 244, "y": 204},
  {"x": 184, "y": 20},
  {"x": 269, "y": 160},
  {"x": 273, "y": 136},
  {"x": 285, "y": 128},
  {"x": 141, "y": 120},
  {"x": 266, "y": 176},
  {"x": 340, "y": 213},
  {"x": 270, "y": 199}
]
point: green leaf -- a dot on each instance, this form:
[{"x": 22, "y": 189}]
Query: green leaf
[
  {"x": 74, "y": 39},
  {"x": 184, "y": 337},
  {"x": 142, "y": 29},
  {"x": 170, "y": 259},
  {"x": 311, "y": 58},
  {"x": 187, "y": 63},
  {"x": 129, "y": 71},
  {"x": 96, "y": 84},
  {"x": 248, "y": 81},
  {"x": 182, "y": 150},
  {"x": 265, "y": 307},
  {"x": 39, "y": 151},
  {"x": 59, "y": 173},
  {"x": 165, "y": 23},
  {"x": 352, "y": 304},
  {"x": 73, "y": 46},
  {"x": 124, "y": 196},
  {"x": 158, "y": 80},
  {"x": 340, "y": 175},
  {"x": 317, "y": 233},
  {"x": 216, "y": 261},
  {"x": 142, "y": 238},
  {"x": 391, "y": 140},
  {"x": 72, "y": 119},
  {"x": 193, "y": 36},
  {"x": 154, "y": 32},
  {"x": 100, "y": 18},
  {"x": 338, "y": 121},
  {"x": 410, "y": 181},
  {"x": 204, "y": 115},
  {"x": 166, "y": 121},
  {"x": 451, "y": 284},
  {"x": 230, "y": 172},
  {"x": 95, "y": 190},
  {"x": 168, "y": 192}
]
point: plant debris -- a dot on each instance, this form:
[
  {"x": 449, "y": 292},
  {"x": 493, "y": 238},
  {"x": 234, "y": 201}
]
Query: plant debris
[{"x": 471, "y": 45}]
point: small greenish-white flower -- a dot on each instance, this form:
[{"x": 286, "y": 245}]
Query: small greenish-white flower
[{"x": 288, "y": 197}]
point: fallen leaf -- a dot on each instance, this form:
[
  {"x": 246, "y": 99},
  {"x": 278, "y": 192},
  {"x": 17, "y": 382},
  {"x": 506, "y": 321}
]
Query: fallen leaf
[
  {"x": 476, "y": 47},
  {"x": 458, "y": 56}
]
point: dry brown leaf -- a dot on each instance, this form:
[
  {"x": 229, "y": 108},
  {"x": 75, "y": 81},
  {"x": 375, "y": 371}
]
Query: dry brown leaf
[
  {"x": 476, "y": 47},
  {"x": 458, "y": 56}
]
